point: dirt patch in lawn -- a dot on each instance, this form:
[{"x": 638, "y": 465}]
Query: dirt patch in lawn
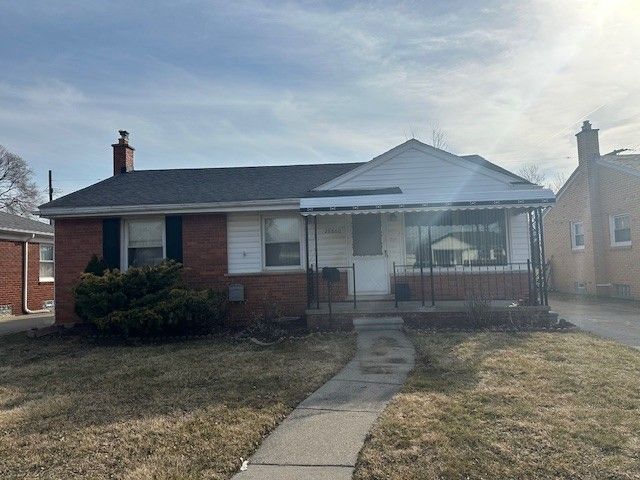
[
  {"x": 71, "y": 409},
  {"x": 500, "y": 405}
]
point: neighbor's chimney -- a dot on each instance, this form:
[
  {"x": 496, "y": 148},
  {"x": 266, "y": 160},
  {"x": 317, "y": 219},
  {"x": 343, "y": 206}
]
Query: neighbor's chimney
[
  {"x": 122, "y": 154},
  {"x": 588, "y": 145}
]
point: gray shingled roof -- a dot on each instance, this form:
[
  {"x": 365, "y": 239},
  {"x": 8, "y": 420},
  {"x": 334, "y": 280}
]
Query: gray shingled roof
[
  {"x": 203, "y": 185},
  {"x": 16, "y": 223},
  {"x": 217, "y": 185},
  {"x": 483, "y": 162}
]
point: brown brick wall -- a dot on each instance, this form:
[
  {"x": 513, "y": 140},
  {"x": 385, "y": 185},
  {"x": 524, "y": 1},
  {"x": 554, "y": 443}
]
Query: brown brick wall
[
  {"x": 570, "y": 266},
  {"x": 11, "y": 280},
  {"x": 204, "y": 249},
  {"x": 76, "y": 239},
  {"x": 204, "y": 239},
  {"x": 620, "y": 193},
  {"x": 510, "y": 285},
  {"x": 617, "y": 193}
]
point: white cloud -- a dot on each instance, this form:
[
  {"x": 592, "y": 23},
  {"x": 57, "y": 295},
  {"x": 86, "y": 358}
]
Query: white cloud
[{"x": 302, "y": 83}]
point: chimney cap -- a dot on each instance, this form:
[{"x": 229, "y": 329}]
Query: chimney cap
[
  {"x": 124, "y": 135},
  {"x": 586, "y": 125}
]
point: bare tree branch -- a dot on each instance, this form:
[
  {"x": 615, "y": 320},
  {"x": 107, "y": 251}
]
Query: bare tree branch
[
  {"x": 18, "y": 191},
  {"x": 559, "y": 179},
  {"x": 532, "y": 173},
  {"x": 438, "y": 137}
]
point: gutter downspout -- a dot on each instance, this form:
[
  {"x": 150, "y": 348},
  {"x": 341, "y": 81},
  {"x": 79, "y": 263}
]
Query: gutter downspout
[{"x": 25, "y": 307}]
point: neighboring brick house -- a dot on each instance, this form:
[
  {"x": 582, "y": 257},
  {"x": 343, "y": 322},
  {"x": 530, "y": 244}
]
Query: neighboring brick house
[
  {"x": 592, "y": 234},
  {"x": 22, "y": 238},
  {"x": 266, "y": 228}
]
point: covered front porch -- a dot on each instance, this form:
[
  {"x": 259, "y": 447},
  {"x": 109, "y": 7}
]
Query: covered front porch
[{"x": 373, "y": 254}]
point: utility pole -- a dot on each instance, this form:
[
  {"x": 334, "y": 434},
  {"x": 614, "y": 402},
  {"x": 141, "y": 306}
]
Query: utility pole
[
  {"x": 50, "y": 194},
  {"x": 50, "y": 187}
]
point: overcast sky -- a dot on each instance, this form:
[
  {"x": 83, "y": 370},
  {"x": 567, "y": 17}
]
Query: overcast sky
[{"x": 203, "y": 83}]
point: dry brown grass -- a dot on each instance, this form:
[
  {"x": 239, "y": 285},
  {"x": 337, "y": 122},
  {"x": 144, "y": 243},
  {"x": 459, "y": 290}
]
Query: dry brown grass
[
  {"x": 499, "y": 405},
  {"x": 71, "y": 409}
]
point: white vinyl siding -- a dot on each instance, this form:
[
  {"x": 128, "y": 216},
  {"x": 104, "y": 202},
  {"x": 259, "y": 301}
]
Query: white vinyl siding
[
  {"x": 244, "y": 247},
  {"x": 413, "y": 171},
  {"x": 518, "y": 236},
  {"x": 332, "y": 241}
]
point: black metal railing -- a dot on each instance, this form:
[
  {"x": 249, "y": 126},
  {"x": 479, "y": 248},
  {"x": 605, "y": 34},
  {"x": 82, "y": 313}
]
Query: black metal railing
[
  {"x": 509, "y": 281},
  {"x": 320, "y": 288}
]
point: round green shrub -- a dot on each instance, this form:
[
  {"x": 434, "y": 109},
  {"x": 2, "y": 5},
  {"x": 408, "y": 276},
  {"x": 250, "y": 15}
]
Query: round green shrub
[{"x": 148, "y": 301}]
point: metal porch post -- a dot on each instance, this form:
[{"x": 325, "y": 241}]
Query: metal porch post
[
  {"x": 315, "y": 239},
  {"x": 543, "y": 260},
  {"x": 532, "y": 232},
  {"x": 421, "y": 260},
  {"x": 433, "y": 290},
  {"x": 306, "y": 240}
]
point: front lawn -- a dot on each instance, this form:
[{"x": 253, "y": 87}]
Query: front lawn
[
  {"x": 71, "y": 409},
  {"x": 499, "y": 405}
]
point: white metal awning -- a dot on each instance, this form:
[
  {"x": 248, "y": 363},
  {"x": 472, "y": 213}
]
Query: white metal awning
[{"x": 407, "y": 202}]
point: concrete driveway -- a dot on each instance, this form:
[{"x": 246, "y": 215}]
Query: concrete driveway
[
  {"x": 22, "y": 323},
  {"x": 618, "y": 320}
]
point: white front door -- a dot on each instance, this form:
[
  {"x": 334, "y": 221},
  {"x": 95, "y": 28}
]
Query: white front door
[{"x": 369, "y": 255}]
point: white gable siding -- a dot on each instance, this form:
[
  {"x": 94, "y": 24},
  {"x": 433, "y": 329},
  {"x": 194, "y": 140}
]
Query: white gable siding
[
  {"x": 519, "y": 236},
  {"x": 416, "y": 171},
  {"x": 332, "y": 241},
  {"x": 244, "y": 243}
]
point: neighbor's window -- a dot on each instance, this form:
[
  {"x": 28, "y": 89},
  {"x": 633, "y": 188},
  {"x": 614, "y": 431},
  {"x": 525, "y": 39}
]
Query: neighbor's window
[
  {"x": 577, "y": 236},
  {"x": 457, "y": 238},
  {"x": 620, "y": 230},
  {"x": 145, "y": 242},
  {"x": 46, "y": 262},
  {"x": 281, "y": 242}
]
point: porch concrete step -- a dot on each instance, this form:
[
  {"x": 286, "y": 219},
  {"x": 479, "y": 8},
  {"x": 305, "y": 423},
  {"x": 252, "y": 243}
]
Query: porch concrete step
[
  {"x": 371, "y": 298},
  {"x": 377, "y": 323}
]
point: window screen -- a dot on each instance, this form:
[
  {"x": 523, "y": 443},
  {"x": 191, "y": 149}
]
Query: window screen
[
  {"x": 282, "y": 242},
  {"x": 367, "y": 235},
  {"x": 577, "y": 232},
  {"x": 458, "y": 238},
  {"x": 145, "y": 242},
  {"x": 622, "y": 229},
  {"x": 46, "y": 261}
]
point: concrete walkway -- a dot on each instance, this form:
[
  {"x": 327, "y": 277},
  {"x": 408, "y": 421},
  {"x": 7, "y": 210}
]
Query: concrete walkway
[
  {"x": 22, "y": 323},
  {"x": 321, "y": 438}
]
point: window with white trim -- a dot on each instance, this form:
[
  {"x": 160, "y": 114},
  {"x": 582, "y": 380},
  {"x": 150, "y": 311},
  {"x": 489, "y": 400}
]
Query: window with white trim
[
  {"x": 577, "y": 236},
  {"x": 281, "y": 242},
  {"x": 145, "y": 242},
  {"x": 46, "y": 262},
  {"x": 620, "y": 228}
]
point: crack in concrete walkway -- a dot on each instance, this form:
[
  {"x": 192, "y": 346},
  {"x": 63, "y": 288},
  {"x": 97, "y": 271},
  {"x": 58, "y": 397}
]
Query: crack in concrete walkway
[{"x": 322, "y": 437}]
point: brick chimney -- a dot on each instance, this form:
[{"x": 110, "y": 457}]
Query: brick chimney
[
  {"x": 122, "y": 154},
  {"x": 588, "y": 145},
  {"x": 588, "y": 155}
]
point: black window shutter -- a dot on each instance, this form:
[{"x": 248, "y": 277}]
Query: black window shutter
[
  {"x": 173, "y": 230},
  {"x": 111, "y": 242}
]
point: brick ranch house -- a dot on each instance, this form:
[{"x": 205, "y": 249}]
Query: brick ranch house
[
  {"x": 415, "y": 224},
  {"x": 26, "y": 265},
  {"x": 593, "y": 231}
]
